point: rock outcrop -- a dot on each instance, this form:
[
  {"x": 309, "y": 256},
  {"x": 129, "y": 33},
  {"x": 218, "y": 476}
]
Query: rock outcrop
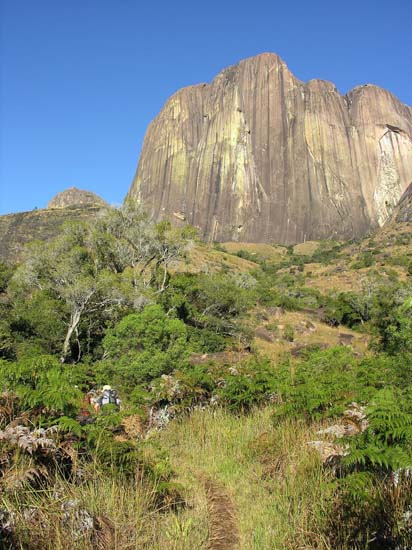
[
  {"x": 403, "y": 211},
  {"x": 259, "y": 156},
  {"x": 75, "y": 197}
]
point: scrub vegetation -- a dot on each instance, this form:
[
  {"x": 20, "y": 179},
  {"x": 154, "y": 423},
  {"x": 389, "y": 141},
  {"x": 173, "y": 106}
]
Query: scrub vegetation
[{"x": 266, "y": 397}]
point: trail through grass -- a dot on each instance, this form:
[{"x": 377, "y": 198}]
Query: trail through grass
[{"x": 275, "y": 482}]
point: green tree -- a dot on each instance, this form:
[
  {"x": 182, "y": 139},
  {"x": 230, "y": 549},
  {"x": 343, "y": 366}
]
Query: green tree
[
  {"x": 101, "y": 268},
  {"x": 143, "y": 346},
  {"x": 68, "y": 271}
]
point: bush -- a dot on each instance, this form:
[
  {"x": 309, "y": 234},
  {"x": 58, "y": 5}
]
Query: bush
[
  {"x": 41, "y": 383},
  {"x": 373, "y": 496},
  {"x": 143, "y": 346},
  {"x": 254, "y": 383}
]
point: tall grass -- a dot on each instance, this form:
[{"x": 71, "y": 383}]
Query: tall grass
[
  {"x": 272, "y": 483},
  {"x": 276, "y": 483},
  {"x": 125, "y": 515}
]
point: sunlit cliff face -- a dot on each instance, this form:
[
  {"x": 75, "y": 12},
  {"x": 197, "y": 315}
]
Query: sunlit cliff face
[{"x": 258, "y": 155}]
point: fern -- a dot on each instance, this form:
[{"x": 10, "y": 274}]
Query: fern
[{"x": 67, "y": 424}]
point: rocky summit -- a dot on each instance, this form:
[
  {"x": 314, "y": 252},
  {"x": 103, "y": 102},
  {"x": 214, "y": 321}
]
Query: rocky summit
[
  {"x": 75, "y": 197},
  {"x": 259, "y": 156}
]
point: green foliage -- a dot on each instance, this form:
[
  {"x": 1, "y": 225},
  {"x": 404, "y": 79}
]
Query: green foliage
[
  {"x": 38, "y": 321},
  {"x": 367, "y": 512},
  {"x": 212, "y": 302},
  {"x": 7, "y": 340},
  {"x": 320, "y": 385},
  {"x": 41, "y": 383},
  {"x": 365, "y": 505},
  {"x": 145, "y": 345},
  {"x": 374, "y": 491},
  {"x": 385, "y": 445},
  {"x": 252, "y": 384},
  {"x": 289, "y": 333},
  {"x": 247, "y": 255},
  {"x": 348, "y": 308},
  {"x": 92, "y": 274},
  {"x": 6, "y": 273},
  {"x": 366, "y": 260},
  {"x": 239, "y": 388},
  {"x": 394, "y": 324}
]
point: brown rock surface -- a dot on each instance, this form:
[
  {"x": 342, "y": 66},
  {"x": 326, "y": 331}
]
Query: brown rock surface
[
  {"x": 75, "y": 197},
  {"x": 259, "y": 156}
]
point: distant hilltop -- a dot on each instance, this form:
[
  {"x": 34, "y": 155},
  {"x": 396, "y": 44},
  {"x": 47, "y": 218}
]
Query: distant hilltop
[{"x": 75, "y": 197}]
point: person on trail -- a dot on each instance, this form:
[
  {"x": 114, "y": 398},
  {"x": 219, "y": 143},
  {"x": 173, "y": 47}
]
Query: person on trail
[
  {"x": 84, "y": 416},
  {"x": 108, "y": 397}
]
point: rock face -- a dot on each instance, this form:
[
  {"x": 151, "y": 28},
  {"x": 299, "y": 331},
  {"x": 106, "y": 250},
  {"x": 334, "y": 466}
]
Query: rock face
[
  {"x": 16, "y": 230},
  {"x": 403, "y": 211},
  {"x": 75, "y": 197},
  {"x": 259, "y": 156}
]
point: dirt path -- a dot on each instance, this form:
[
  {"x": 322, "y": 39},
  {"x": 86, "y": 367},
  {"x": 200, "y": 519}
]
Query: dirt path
[{"x": 223, "y": 531}]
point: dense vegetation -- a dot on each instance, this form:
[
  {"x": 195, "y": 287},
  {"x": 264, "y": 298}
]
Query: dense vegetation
[{"x": 312, "y": 448}]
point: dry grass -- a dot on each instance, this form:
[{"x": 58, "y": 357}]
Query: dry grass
[
  {"x": 249, "y": 483},
  {"x": 306, "y": 249},
  {"x": 262, "y": 251},
  {"x": 308, "y": 331},
  {"x": 204, "y": 258},
  {"x": 121, "y": 515}
]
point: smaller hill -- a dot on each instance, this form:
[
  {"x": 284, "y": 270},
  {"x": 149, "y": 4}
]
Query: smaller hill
[{"x": 19, "y": 229}]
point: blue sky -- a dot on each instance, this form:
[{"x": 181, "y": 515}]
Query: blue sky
[{"x": 80, "y": 80}]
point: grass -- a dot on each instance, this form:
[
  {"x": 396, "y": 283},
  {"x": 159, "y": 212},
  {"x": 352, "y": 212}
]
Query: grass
[
  {"x": 275, "y": 482},
  {"x": 204, "y": 258},
  {"x": 262, "y": 251},
  {"x": 306, "y": 249},
  {"x": 244, "y": 476},
  {"x": 321, "y": 334},
  {"x": 46, "y": 520}
]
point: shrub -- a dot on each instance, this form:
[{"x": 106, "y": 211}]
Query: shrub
[
  {"x": 41, "y": 383},
  {"x": 252, "y": 384},
  {"x": 373, "y": 496},
  {"x": 143, "y": 346}
]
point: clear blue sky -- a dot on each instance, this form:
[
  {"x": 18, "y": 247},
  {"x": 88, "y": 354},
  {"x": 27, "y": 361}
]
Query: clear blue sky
[{"x": 81, "y": 79}]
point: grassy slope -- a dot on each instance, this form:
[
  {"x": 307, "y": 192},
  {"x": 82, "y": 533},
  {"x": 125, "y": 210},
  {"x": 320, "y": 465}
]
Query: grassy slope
[{"x": 276, "y": 484}]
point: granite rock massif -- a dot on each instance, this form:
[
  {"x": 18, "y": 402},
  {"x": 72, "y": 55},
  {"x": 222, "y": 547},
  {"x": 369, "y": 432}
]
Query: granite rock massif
[{"x": 259, "y": 156}]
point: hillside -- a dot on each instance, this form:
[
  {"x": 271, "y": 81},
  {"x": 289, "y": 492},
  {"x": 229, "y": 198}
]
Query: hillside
[
  {"x": 17, "y": 230},
  {"x": 265, "y": 391}
]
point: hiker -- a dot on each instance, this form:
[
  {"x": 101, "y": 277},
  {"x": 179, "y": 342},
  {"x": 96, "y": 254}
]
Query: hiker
[
  {"x": 84, "y": 416},
  {"x": 108, "y": 397}
]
